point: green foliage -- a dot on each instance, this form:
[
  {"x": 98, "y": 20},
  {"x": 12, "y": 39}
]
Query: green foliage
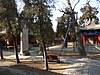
[
  {"x": 89, "y": 12},
  {"x": 9, "y": 20},
  {"x": 9, "y": 16},
  {"x": 61, "y": 30},
  {"x": 62, "y": 24},
  {"x": 38, "y": 15}
]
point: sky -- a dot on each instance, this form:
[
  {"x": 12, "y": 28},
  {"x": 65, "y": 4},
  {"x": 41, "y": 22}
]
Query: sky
[
  {"x": 61, "y": 4},
  {"x": 20, "y": 5}
]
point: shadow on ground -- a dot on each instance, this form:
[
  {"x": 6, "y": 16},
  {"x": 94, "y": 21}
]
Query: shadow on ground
[{"x": 23, "y": 70}]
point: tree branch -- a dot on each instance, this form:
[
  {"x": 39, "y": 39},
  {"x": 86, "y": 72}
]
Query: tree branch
[{"x": 76, "y": 4}]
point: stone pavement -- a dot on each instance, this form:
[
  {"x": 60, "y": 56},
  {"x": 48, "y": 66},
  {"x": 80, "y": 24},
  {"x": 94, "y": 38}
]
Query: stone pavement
[{"x": 82, "y": 66}]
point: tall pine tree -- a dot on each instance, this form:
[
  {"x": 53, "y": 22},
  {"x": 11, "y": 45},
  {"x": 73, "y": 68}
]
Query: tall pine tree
[
  {"x": 38, "y": 13},
  {"x": 8, "y": 19}
]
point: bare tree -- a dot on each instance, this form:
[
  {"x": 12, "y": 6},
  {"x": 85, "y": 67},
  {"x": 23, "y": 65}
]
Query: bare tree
[{"x": 73, "y": 25}]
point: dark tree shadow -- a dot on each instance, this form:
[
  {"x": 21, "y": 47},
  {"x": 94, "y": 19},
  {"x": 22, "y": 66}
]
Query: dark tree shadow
[{"x": 24, "y": 70}]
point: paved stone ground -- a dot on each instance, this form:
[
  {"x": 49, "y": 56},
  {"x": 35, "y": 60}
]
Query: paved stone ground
[{"x": 83, "y": 66}]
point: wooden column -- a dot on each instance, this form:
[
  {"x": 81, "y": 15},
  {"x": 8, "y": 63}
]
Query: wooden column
[{"x": 98, "y": 38}]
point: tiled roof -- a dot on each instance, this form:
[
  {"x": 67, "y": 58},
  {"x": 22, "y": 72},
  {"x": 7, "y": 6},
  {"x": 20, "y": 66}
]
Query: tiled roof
[{"x": 90, "y": 27}]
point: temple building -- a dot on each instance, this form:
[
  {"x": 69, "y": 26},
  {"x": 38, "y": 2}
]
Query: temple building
[{"x": 91, "y": 33}]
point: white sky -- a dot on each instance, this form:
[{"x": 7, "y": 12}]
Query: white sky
[
  {"x": 60, "y": 4},
  {"x": 20, "y": 5}
]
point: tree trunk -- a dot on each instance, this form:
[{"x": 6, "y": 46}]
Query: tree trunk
[
  {"x": 1, "y": 53},
  {"x": 44, "y": 51},
  {"x": 81, "y": 48},
  {"x": 16, "y": 48},
  {"x": 1, "y": 46},
  {"x": 45, "y": 56},
  {"x": 66, "y": 36},
  {"x": 14, "y": 39},
  {"x": 65, "y": 42},
  {"x": 43, "y": 42}
]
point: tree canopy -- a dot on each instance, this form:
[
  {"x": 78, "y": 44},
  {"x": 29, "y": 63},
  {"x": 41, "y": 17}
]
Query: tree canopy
[
  {"x": 9, "y": 16},
  {"x": 89, "y": 13},
  {"x": 39, "y": 12},
  {"x": 9, "y": 21}
]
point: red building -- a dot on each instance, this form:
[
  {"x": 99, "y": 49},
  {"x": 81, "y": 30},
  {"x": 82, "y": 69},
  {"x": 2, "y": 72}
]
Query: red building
[
  {"x": 10, "y": 43},
  {"x": 91, "y": 34}
]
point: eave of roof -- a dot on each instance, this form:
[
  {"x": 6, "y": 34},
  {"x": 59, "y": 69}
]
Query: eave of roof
[{"x": 91, "y": 27}]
